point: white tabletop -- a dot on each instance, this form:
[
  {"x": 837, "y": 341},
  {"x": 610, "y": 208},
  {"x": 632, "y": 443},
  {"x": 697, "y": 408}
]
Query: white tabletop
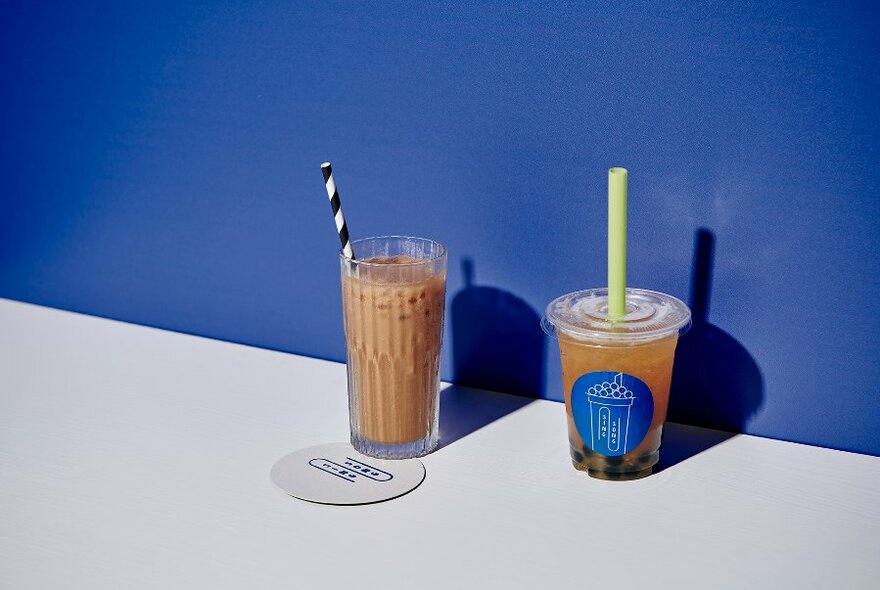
[{"x": 137, "y": 458}]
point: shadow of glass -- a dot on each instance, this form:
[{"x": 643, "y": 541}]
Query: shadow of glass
[
  {"x": 464, "y": 410},
  {"x": 681, "y": 442},
  {"x": 497, "y": 341},
  {"x": 497, "y": 346},
  {"x": 716, "y": 383}
]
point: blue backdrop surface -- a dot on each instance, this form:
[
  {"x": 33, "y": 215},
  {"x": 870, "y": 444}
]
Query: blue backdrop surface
[{"x": 160, "y": 165}]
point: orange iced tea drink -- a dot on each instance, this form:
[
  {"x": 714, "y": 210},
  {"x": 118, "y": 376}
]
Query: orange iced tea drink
[{"x": 616, "y": 377}]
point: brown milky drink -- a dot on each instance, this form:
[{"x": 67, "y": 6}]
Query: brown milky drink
[{"x": 393, "y": 299}]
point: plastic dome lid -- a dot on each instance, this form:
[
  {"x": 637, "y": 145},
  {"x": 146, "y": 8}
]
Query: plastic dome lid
[{"x": 583, "y": 315}]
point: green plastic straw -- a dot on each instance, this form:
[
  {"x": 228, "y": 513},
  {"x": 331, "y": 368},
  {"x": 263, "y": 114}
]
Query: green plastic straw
[{"x": 616, "y": 243}]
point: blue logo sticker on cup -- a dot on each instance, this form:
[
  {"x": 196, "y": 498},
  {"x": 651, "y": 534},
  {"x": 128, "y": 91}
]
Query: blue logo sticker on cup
[{"x": 612, "y": 411}]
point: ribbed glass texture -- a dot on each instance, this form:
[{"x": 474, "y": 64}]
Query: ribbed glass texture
[{"x": 393, "y": 298}]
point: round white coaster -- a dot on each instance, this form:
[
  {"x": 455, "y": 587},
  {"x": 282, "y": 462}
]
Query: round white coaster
[{"x": 335, "y": 473}]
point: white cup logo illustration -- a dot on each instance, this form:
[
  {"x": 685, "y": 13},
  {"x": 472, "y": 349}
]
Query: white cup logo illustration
[{"x": 610, "y": 406}]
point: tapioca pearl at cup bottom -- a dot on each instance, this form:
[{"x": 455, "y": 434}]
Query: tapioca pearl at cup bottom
[
  {"x": 577, "y": 456},
  {"x": 581, "y": 447},
  {"x": 609, "y": 475},
  {"x": 614, "y": 461},
  {"x": 620, "y": 475},
  {"x": 648, "y": 458}
]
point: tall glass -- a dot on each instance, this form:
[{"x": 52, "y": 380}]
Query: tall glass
[{"x": 393, "y": 300}]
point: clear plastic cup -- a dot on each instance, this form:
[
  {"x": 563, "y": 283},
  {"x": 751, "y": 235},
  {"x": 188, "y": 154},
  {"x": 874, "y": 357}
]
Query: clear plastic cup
[
  {"x": 393, "y": 301},
  {"x": 616, "y": 377}
]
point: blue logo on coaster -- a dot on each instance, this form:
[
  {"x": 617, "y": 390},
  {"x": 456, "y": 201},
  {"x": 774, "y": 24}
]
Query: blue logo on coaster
[
  {"x": 352, "y": 471},
  {"x": 612, "y": 411}
]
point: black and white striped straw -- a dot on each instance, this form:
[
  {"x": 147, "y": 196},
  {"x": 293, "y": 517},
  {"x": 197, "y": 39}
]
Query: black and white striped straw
[{"x": 336, "y": 205}]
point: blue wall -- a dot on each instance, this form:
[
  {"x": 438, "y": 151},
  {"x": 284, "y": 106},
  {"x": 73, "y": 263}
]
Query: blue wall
[{"x": 160, "y": 165}]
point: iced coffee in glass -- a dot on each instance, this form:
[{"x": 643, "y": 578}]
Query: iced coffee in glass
[
  {"x": 393, "y": 298},
  {"x": 616, "y": 376}
]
